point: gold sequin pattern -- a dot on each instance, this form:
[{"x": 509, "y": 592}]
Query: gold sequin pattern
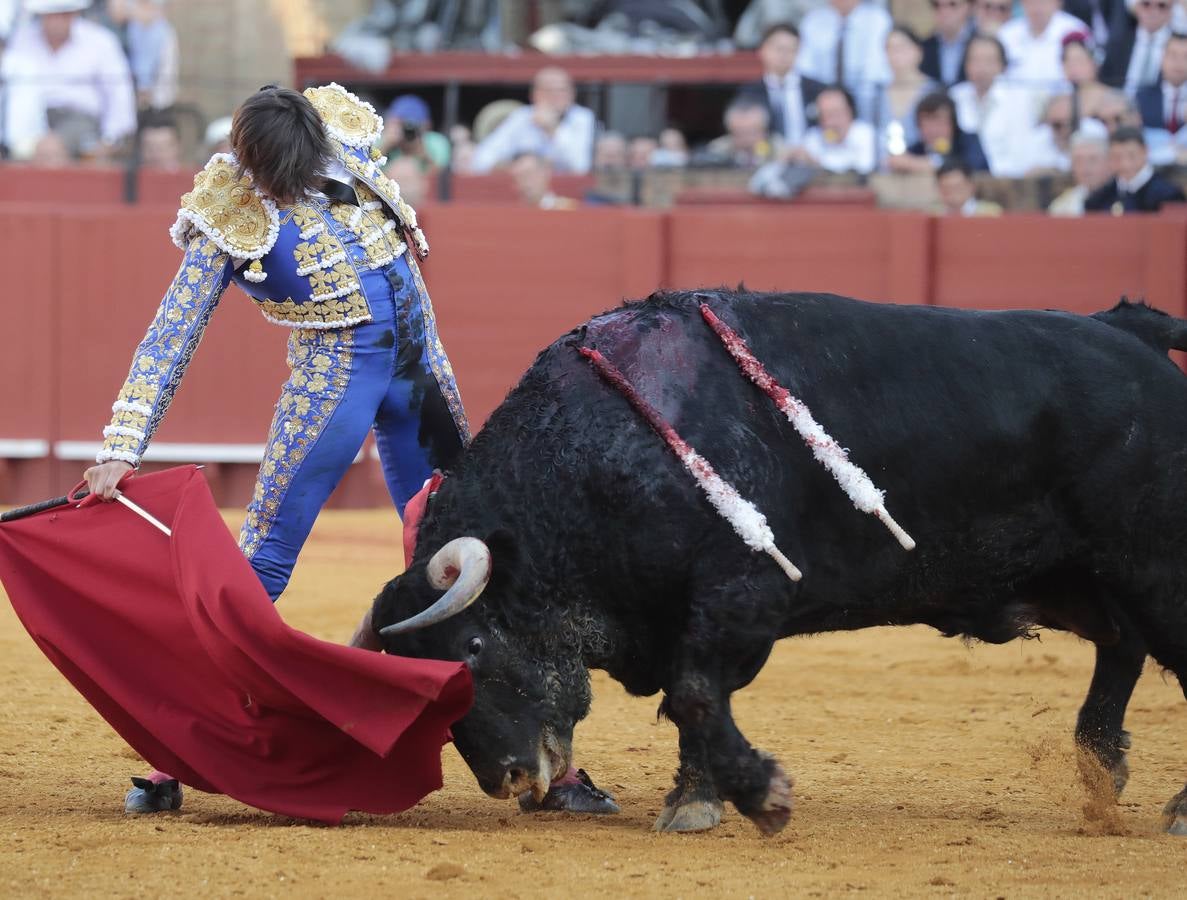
[
  {"x": 348, "y": 310},
  {"x": 230, "y": 206},
  {"x": 345, "y": 114},
  {"x": 164, "y": 354},
  {"x": 320, "y": 364}
]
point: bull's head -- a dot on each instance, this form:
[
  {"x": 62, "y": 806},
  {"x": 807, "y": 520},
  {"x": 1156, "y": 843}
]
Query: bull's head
[{"x": 530, "y": 687}]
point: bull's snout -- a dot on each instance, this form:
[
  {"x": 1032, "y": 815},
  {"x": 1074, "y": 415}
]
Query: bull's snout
[{"x": 520, "y": 775}]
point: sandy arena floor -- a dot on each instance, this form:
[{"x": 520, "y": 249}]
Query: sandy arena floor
[{"x": 922, "y": 769}]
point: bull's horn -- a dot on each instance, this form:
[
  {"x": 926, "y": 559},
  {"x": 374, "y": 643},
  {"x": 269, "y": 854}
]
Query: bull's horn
[{"x": 463, "y": 566}]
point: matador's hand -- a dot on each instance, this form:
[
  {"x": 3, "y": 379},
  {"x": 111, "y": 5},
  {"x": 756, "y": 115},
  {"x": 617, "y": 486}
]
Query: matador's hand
[{"x": 103, "y": 478}]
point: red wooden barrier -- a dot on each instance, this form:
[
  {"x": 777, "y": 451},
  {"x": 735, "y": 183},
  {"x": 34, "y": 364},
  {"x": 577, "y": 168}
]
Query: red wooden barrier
[
  {"x": 1082, "y": 265},
  {"x": 29, "y": 361},
  {"x": 506, "y": 281},
  {"x": 874, "y": 256}
]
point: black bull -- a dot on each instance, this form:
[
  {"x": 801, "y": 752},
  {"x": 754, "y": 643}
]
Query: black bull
[{"x": 1039, "y": 459}]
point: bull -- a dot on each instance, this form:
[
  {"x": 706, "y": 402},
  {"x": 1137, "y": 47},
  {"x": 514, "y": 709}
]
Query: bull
[{"x": 1038, "y": 458}]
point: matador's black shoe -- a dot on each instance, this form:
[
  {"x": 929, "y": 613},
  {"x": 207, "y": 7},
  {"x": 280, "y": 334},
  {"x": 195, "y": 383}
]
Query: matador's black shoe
[
  {"x": 575, "y": 792},
  {"x": 148, "y": 796}
]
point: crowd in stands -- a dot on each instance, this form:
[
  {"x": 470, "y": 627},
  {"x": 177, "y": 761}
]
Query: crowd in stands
[
  {"x": 83, "y": 81},
  {"x": 1093, "y": 91}
]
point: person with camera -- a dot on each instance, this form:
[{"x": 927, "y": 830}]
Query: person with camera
[{"x": 408, "y": 131}]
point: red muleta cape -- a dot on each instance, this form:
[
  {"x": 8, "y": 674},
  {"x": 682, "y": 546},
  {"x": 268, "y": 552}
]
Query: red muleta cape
[{"x": 176, "y": 644}]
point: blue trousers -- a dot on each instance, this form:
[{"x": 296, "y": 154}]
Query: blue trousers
[{"x": 343, "y": 383}]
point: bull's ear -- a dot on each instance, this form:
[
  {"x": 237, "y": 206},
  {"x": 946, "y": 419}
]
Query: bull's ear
[
  {"x": 505, "y": 556},
  {"x": 383, "y": 610}
]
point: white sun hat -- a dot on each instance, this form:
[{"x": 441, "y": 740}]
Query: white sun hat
[{"x": 44, "y": 7}]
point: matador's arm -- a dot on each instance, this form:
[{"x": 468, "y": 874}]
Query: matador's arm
[{"x": 168, "y": 346}]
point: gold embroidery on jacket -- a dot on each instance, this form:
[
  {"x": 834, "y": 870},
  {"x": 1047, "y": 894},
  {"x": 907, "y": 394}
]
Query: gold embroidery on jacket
[
  {"x": 165, "y": 351},
  {"x": 320, "y": 364}
]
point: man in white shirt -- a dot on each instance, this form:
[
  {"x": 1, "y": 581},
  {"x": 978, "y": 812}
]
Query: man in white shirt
[
  {"x": 66, "y": 73},
  {"x": 1034, "y": 43},
  {"x": 838, "y": 143},
  {"x": 1134, "y": 54},
  {"x": 845, "y": 43},
  {"x": 553, "y": 127},
  {"x": 1002, "y": 114}
]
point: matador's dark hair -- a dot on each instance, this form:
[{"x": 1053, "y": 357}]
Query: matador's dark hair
[{"x": 278, "y": 136}]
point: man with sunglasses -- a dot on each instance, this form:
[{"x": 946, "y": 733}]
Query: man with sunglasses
[
  {"x": 1134, "y": 53},
  {"x": 943, "y": 52}
]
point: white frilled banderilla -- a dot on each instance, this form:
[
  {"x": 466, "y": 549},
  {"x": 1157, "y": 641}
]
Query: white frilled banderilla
[
  {"x": 852, "y": 479},
  {"x": 747, "y": 520}
]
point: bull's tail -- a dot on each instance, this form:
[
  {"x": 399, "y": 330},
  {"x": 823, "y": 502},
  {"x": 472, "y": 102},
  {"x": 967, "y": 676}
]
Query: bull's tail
[{"x": 1153, "y": 327}]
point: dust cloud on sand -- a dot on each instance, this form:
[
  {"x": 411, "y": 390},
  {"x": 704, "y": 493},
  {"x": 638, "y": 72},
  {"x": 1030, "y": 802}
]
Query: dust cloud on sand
[{"x": 922, "y": 769}]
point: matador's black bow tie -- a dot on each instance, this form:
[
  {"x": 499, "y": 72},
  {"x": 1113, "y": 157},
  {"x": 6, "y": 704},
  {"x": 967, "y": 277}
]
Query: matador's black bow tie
[{"x": 340, "y": 191}]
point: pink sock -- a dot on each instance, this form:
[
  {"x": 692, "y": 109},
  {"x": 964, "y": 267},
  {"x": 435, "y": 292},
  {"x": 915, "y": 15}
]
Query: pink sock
[
  {"x": 570, "y": 777},
  {"x": 156, "y": 776}
]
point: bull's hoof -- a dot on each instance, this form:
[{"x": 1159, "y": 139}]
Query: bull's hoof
[
  {"x": 153, "y": 796},
  {"x": 576, "y": 795},
  {"x": 775, "y": 812},
  {"x": 1175, "y": 815},
  {"x": 696, "y": 815}
]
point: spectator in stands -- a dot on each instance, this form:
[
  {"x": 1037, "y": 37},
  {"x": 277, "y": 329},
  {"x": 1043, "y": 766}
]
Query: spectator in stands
[
  {"x": 532, "y": 174},
  {"x": 610, "y": 152},
  {"x": 940, "y": 138},
  {"x": 1050, "y": 147},
  {"x": 1081, "y": 71},
  {"x": 845, "y": 43},
  {"x": 462, "y": 146},
  {"x": 1135, "y": 186},
  {"x": 1114, "y": 110},
  {"x": 152, "y": 51},
  {"x": 1034, "y": 42},
  {"x": 217, "y": 138},
  {"x": 1090, "y": 169},
  {"x": 673, "y": 150},
  {"x": 50, "y": 152},
  {"x": 1001, "y": 114},
  {"x": 839, "y": 143},
  {"x": 552, "y": 126},
  {"x": 908, "y": 85},
  {"x": 990, "y": 15},
  {"x": 1134, "y": 52},
  {"x": 160, "y": 144},
  {"x": 943, "y": 52},
  {"x": 67, "y": 74},
  {"x": 958, "y": 193},
  {"x": 641, "y": 150},
  {"x": 408, "y": 131},
  {"x": 747, "y": 141},
  {"x": 789, "y": 96},
  {"x": 1163, "y": 106},
  {"x": 410, "y": 175}
]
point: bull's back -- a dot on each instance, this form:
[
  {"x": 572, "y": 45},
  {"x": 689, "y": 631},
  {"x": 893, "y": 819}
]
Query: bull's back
[{"x": 1030, "y": 426}]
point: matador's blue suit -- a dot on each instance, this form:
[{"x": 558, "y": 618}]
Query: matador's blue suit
[{"x": 363, "y": 351}]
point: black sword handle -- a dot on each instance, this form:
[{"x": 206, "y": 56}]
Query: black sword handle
[{"x": 32, "y": 510}]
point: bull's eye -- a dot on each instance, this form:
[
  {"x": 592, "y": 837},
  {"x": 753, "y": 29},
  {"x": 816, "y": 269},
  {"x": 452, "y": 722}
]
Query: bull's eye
[{"x": 474, "y": 647}]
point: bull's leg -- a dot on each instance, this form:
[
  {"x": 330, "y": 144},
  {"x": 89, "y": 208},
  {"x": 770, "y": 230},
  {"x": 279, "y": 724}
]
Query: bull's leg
[
  {"x": 699, "y": 704},
  {"x": 693, "y": 804},
  {"x": 1166, "y": 647},
  {"x": 1099, "y": 729}
]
